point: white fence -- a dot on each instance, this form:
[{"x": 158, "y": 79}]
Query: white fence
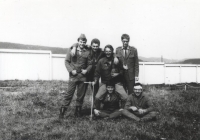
[{"x": 42, "y": 65}]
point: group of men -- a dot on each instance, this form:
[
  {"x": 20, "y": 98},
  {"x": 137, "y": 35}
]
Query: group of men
[{"x": 118, "y": 73}]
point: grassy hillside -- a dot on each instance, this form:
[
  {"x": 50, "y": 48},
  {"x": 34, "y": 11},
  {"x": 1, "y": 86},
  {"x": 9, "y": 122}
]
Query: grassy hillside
[
  {"x": 191, "y": 61},
  {"x": 54, "y": 50},
  {"x": 29, "y": 111},
  {"x": 57, "y": 50},
  {"x": 157, "y": 59}
]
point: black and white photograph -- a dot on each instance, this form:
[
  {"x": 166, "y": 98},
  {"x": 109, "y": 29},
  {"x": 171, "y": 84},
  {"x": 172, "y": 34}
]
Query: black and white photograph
[{"x": 99, "y": 70}]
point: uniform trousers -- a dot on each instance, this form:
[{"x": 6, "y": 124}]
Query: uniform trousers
[
  {"x": 136, "y": 116},
  {"x": 111, "y": 114},
  {"x": 128, "y": 83},
  {"x": 81, "y": 90}
]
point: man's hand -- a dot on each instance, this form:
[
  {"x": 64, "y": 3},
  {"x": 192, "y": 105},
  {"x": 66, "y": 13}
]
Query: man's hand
[
  {"x": 96, "y": 112},
  {"x": 133, "y": 108},
  {"x": 125, "y": 67},
  {"x": 142, "y": 111},
  {"x": 73, "y": 51},
  {"x": 116, "y": 61},
  {"x": 74, "y": 72},
  {"x": 114, "y": 74},
  {"x": 136, "y": 79},
  {"x": 83, "y": 71}
]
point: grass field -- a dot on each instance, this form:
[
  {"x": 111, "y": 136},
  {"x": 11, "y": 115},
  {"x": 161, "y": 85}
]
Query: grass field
[{"x": 29, "y": 110}]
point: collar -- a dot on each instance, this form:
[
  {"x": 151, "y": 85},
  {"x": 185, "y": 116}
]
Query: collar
[
  {"x": 138, "y": 97},
  {"x": 81, "y": 50},
  {"x": 126, "y": 48},
  {"x": 108, "y": 59}
]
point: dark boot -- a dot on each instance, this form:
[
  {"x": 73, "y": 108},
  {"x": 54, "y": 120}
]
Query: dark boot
[
  {"x": 78, "y": 111},
  {"x": 62, "y": 112}
]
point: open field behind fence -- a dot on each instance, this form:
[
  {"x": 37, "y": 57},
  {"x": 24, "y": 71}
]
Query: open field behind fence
[
  {"x": 43, "y": 65},
  {"x": 29, "y": 110}
]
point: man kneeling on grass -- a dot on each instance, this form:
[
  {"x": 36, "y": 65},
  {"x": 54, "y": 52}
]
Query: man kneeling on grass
[
  {"x": 138, "y": 107},
  {"x": 110, "y": 104}
]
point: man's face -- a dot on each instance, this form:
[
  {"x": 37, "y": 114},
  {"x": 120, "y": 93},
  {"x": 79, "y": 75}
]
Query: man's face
[
  {"x": 125, "y": 42},
  {"x": 110, "y": 89},
  {"x": 108, "y": 52},
  {"x": 138, "y": 90},
  {"x": 95, "y": 47},
  {"x": 81, "y": 43}
]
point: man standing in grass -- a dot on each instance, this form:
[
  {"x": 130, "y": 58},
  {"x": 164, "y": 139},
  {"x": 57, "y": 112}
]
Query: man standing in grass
[
  {"x": 107, "y": 70},
  {"x": 111, "y": 103},
  {"x": 78, "y": 65},
  {"x": 138, "y": 107},
  {"x": 96, "y": 54},
  {"x": 128, "y": 58}
]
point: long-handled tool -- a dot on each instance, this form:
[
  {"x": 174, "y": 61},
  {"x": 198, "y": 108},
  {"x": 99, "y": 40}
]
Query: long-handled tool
[{"x": 92, "y": 102}]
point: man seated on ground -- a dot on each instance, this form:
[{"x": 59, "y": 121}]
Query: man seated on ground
[
  {"x": 138, "y": 107},
  {"x": 110, "y": 103}
]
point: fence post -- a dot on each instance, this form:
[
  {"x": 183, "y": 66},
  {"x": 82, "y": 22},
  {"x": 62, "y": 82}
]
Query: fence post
[
  {"x": 50, "y": 66},
  {"x": 164, "y": 74},
  {"x": 180, "y": 74},
  {"x": 144, "y": 72},
  {"x": 197, "y": 74}
]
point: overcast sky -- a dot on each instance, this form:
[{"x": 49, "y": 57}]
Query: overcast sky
[{"x": 157, "y": 27}]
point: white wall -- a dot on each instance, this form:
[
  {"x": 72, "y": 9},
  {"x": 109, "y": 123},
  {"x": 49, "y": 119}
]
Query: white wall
[
  {"x": 24, "y": 64},
  {"x": 188, "y": 73},
  {"x": 152, "y": 73},
  {"x": 172, "y": 74},
  {"x": 198, "y": 73},
  {"x": 42, "y": 65},
  {"x": 59, "y": 72}
]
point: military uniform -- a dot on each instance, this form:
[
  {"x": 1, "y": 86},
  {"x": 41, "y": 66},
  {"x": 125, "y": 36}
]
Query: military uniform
[
  {"x": 110, "y": 106},
  {"x": 94, "y": 57},
  {"x": 131, "y": 60},
  {"x": 141, "y": 102},
  {"x": 77, "y": 62}
]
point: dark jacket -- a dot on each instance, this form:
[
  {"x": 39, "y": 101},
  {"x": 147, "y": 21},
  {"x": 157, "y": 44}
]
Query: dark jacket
[
  {"x": 94, "y": 57},
  {"x": 110, "y": 102},
  {"x": 104, "y": 70},
  {"x": 132, "y": 61},
  {"x": 141, "y": 102}
]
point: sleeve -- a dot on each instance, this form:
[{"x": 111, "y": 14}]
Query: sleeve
[
  {"x": 136, "y": 64},
  {"x": 149, "y": 105},
  {"x": 68, "y": 61},
  {"x": 89, "y": 63},
  {"x": 120, "y": 67},
  {"x": 97, "y": 73},
  {"x": 75, "y": 45},
  {"x": 102, "y": 54},
  {"x": 128, "y": 103}
]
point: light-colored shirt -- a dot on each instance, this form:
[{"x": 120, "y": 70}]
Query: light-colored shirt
[
  {"x": 127, "y": 50},
  {"x": 79, "y": 50}
]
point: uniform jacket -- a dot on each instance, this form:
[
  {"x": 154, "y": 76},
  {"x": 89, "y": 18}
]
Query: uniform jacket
[
  {"x": 141, "y": 102},
  {"x": 94, "y": 57},
  {"x": 104, "y": 70},
  {"x": 110, "y": 102},
  {"x": 77, "y": 63},
  {"x": 132, "y": 61}
]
